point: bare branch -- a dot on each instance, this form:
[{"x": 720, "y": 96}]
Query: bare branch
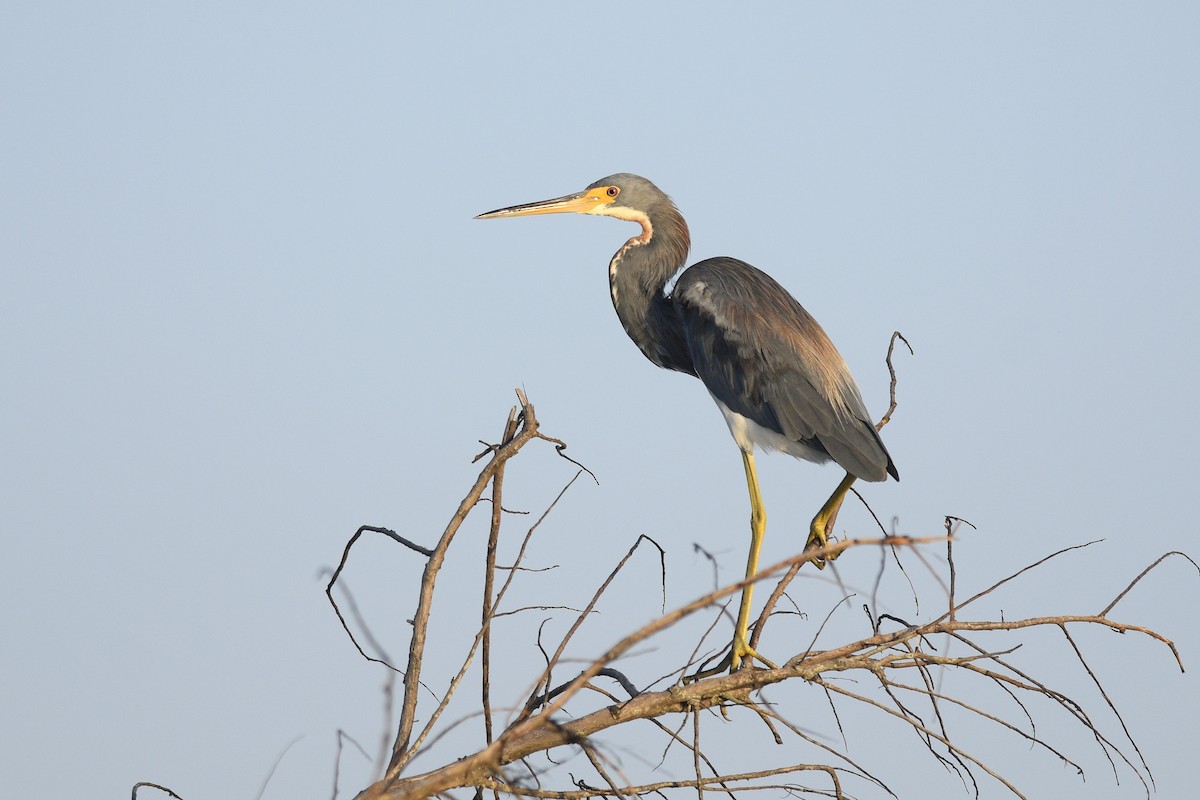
[
  {"x": 342, "y": 736},
  {"x": 149, "y": 785},
  {"x": 489, "y": 579},
  {"x": 275, "y": 766},
  {"x": 457, "y": 679},
  {"x": 1143, "y": 574},
  {"x": 416, "y": 649},
  {"x": 583, "y": 794},
  {"x": 565, "y": 717},
  {"x": 887, "y": 417}
]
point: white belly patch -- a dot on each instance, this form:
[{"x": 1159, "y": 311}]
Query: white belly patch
[{"x": 749, "y": 434}]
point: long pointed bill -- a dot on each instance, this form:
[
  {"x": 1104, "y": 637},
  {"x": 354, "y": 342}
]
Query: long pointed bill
[{"x": 585, "y": 202}]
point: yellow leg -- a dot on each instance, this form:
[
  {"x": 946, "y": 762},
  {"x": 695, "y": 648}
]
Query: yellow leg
[
  {"x": 758, "y": 528},
  {"x": 822, "y": 524},
  {"x": 740, "y": 650}
]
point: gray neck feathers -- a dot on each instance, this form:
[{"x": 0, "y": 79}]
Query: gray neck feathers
[{"x": 638, "y": 275}]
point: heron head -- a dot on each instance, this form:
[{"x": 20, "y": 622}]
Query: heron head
[{"x": 623, "y": 195}]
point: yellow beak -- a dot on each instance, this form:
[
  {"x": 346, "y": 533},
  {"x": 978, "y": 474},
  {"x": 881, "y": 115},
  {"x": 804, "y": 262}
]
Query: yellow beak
[{"x": 585, "y": 202}]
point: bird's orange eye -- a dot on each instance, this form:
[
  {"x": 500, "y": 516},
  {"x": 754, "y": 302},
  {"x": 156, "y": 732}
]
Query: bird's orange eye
[{"x": 613, "y": 191}]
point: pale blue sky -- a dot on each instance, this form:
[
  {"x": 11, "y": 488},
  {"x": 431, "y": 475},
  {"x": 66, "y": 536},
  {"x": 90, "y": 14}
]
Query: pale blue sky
[{"x": 245, "y": 309}]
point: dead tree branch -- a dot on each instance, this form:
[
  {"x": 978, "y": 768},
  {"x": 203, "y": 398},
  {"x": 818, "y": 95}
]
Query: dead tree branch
[{"x": 512, "y": 757}]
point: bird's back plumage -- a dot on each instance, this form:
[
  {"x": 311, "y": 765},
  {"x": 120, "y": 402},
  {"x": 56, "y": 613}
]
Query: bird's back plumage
[{"x": 765, "y": 358}]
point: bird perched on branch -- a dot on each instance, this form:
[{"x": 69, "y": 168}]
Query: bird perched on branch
[{"x": 772, "y": 370}]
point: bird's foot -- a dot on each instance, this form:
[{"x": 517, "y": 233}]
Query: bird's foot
[
  {"x": 820, "y": 533},
  {"x": 739, "y": 656}
]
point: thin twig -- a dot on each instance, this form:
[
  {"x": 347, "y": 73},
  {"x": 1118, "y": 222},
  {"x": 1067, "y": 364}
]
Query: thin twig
[
  {"x": 342, "y": 736},
  {"x": 333, "y": 579},
  {"x": 1143, "y": 574},
  {"x": 275, "y": 766},
  {"x": 489, "y": 579},
  {"x": 892, "y": 373},
  {"x": 1108, "y": 701},
  {"x": 769, "y": 606},
  {"x": 150, "y": 785}
]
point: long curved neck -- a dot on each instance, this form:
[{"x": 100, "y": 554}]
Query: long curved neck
[{"x": 638, "y": 275}]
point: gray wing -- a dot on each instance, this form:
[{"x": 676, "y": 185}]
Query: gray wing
[{"x": 764, "y": 357}]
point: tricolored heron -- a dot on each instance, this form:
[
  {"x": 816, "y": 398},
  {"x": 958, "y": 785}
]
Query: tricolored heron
[{"x": 772, "y": 370}]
